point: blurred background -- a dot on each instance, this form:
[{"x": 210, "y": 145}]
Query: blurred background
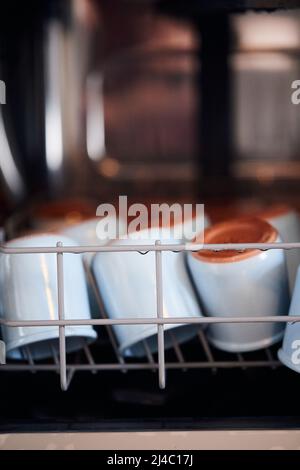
[{"x": 158, "y": 100}]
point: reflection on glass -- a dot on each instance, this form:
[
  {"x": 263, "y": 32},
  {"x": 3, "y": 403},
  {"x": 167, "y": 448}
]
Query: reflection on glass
[
  {"x": 54, "y": 132},
  {"x": 8, "y": 167},
  {"x": 264, "y": 63}
]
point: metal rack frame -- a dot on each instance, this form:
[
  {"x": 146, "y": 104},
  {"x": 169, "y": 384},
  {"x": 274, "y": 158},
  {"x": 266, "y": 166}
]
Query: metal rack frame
[{"x": 67, "y": 370}]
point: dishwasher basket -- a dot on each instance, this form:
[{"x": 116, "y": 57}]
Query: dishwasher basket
[{"x": 86, "y": 361}]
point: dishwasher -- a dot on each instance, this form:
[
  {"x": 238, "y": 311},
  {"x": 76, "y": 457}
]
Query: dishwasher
[{"x": 163, "y": 101}]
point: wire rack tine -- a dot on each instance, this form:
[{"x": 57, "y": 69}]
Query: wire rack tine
[
  {"x": 54, "y": 355},
  {"x": 61, "y": 316},
  {"x": 28, "y": 355},
  {"x": 29, "y": 358},
  {"x": 242, "y": 361},
  {"x": 149, "y": 354},
  {"x": 100, "y": 305},
  {"x": 160, "y": 314},
  {"x": 70, "y": 376},
  {"x": 207, "y": 349},
  {"x": 177, "y": 349},
  {"x": 270, "y": 357},
  {"x": 89, "y": 355}
]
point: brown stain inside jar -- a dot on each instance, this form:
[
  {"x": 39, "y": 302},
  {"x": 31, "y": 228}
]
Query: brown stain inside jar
[{"x": 244, "y": 230}]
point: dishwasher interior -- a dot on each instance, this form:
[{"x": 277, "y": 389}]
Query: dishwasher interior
[
  {"x": 104, "y": 391},
  {"x": 181, "y": 101}
]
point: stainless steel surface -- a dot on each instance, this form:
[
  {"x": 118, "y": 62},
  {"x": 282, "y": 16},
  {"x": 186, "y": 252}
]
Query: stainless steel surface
[
  {"x": 9, "y": 171},
  {"x": 44, "y": 65}
]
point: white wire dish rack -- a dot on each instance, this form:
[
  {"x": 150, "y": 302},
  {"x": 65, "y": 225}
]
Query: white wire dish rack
[{"x": 60, "y": 362}]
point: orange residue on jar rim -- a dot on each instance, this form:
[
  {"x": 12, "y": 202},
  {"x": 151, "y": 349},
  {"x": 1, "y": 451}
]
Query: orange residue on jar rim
[{"x": 242, "y": 230}]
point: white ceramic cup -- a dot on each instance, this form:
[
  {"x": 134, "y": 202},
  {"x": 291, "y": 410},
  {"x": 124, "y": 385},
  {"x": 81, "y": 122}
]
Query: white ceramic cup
[
  {"x": 126, "y": 282},
  {"x": 250, "y": 283},
  {"x": 85, "y": 233},
  {"x": 28, "y": 289},
  {"x": 289, "y": 354},
  {"x": 287, "y": 223},
  {"x": 89, "y": 233}
]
